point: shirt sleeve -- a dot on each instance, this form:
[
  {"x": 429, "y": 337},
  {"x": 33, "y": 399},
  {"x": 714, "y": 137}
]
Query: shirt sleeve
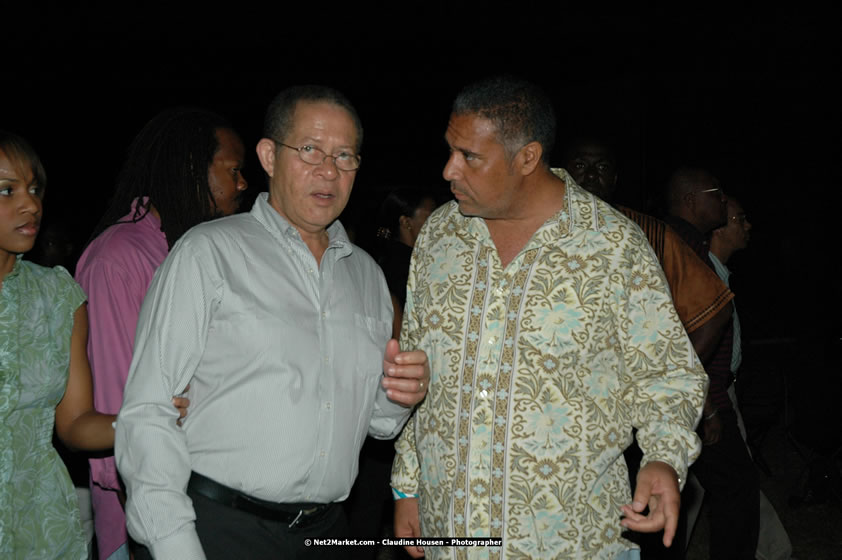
[
  {"x": 664, "y": 381},
  {"x": 406, "y": 470},
  {"x": 698, "y": 293},
  {"x": 151, "y": 450},
  {"x": 113, "y": 307},
  {"x": 387, "y": 417}
]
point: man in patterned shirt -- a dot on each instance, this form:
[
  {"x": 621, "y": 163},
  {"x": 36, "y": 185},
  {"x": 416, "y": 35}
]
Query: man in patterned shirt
[{"x": 551, "y": 335}]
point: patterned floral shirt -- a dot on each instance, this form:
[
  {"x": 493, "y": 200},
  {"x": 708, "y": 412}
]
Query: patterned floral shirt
[{"x": 540, "y": 370}]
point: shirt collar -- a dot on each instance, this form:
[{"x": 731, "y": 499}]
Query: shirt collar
[
  {"x": 580, "y": 210},
  {"x": 264, "y": 213}
]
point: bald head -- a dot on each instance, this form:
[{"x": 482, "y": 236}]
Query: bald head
[{"x": 694, "y": 194}]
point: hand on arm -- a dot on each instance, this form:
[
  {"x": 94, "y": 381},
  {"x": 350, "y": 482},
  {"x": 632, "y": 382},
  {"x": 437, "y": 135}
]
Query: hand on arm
[
  {"x": 407, "y": 524},
  {"x": 711, "y": 424},
  {"x": 657, "y": 488},
  {"x": 406, "y": 374}
]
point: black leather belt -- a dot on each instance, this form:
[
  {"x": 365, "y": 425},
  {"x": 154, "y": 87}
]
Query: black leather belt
[{"x": 296, "y": 515}]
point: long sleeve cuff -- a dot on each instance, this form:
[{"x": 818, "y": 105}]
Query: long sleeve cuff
[
  {"x": 183, "y": 545},
  {"x": 388, "y": 417}
]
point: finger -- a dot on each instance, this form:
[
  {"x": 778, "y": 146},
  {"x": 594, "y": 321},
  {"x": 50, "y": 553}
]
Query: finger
[
  {"x": 405, "y": 384},
  {"x": 642, "y": 494},
  {"x": 414, "y": 551},
  {"x": 631, "y": 515},
  {"x": 651, "y": 524},
  {"x": 404, "y": 398},
  {"x": 411, "y": 357},
  {"x": 392, "y": 350},
  {"x": 398, "y": 374},
  {"x": 670, "y": 509}
]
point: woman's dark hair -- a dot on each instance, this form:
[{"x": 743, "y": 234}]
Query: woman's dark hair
[
  {"x": 167, "y": 167},
  {"x": 20, "y": 152},
  {"x": 402, "y": 201}
]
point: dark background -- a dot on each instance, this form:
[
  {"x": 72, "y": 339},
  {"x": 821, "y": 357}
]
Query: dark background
[{"x": 750, "y": 90}]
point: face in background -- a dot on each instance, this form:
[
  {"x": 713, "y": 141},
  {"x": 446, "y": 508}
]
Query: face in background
[
  {"x": 225, "y": 176},
  {"x": 413, "y": 223},
  {"x": 20, "y": 206},
  {"x": 308, "y": 196},
  {"x": 481, "y": 177},
  {"x": 592, "y": 166},
  {"x": 736, "y": 233}
]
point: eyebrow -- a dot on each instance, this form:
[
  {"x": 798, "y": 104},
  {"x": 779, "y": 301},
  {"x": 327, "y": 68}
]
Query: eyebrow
[{"x": 311, "y": 140}]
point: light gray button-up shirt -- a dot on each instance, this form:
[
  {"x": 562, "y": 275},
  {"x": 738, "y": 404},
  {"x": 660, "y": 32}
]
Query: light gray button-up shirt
[{"x": 283, "y": 357}]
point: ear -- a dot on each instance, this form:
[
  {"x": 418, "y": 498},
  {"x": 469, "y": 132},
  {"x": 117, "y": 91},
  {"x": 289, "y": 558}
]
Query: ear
[
  {"x": 688, "y": 199},
  {"x": 266, "y": 155},
  {"x": 405, "y": 222},
  {"x": 529, "y": 158}
]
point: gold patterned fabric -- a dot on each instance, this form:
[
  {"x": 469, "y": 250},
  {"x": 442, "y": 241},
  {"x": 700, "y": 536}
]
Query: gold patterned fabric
[{"x": 539, "y": 373}]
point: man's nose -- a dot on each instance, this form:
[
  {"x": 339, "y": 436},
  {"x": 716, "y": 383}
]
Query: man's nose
[{"x": 449, "y": 172}]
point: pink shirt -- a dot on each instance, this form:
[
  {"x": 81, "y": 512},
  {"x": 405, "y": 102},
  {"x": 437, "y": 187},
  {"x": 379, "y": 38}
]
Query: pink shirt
[{"x": 115, "y": 271}]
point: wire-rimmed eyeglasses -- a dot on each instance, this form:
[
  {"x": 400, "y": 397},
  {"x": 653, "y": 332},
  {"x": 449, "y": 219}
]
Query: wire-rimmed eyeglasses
[
  {"x": 713, "y": 190},
  {"x": 344, "y": 161}
]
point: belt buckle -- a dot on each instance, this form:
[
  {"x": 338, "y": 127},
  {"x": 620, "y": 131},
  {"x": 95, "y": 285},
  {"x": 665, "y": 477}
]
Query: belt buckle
[
  {"x": 302, "y": 512},
  {"x": 297, "y": 517}
]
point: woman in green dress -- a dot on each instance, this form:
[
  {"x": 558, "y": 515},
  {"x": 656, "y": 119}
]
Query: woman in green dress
[{"x": 45, "y": 377}]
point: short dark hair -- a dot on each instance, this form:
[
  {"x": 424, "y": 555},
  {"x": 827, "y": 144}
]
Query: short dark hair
[
  {"x": 574, "y": 145},
  {"x": 20, "y": 152},
  {"x": 167, "y": 167},
  {"x": 279, "y": 116},
  {"x": 520, "y": 110}
]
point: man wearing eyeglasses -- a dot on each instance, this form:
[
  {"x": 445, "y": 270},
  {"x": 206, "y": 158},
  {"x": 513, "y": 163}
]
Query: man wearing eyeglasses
[
  {"x": 279, "y": 323},
  {"x": 697, "y": 206}
]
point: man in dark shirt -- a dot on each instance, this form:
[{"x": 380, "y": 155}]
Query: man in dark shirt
[{"x": 697, "y": 206}]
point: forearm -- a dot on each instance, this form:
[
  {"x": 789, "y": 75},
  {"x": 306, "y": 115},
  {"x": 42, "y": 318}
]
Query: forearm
[
  {"x": 90, "y": 431},
  {"x": 152, "y": 456}
]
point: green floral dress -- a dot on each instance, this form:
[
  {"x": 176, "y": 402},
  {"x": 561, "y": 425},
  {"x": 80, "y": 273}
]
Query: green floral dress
[{"x": 39, "y": 515}]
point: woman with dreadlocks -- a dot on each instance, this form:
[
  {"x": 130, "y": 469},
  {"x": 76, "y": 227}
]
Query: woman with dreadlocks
[{"x": 183, "y": 168}]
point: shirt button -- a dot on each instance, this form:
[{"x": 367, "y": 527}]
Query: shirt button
[
  {"x": 322, "y": 454},
  {"x": 327, "y": 405},
  {"x": 492, "y": 340}
]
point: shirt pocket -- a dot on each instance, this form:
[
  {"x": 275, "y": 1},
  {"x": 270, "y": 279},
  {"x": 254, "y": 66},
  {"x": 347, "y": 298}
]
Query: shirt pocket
[{"x": 372, "y": 336}]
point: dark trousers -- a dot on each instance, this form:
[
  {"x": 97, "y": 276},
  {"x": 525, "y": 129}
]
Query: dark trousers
[
  {"x": 227, "y": 533},
  {"x": 369, "y": 506},
  {"x": 732, "y": 493}
]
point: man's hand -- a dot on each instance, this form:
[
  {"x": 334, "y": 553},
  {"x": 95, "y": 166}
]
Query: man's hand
[
  {"x": 711, "y": 429},
  {"x": 657, "y": 487},
  {"x": 406, "y": 374},
  {"x": 407, "y": 524}
]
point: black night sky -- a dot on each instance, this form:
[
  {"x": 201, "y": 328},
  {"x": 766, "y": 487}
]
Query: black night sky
[{"x": 753, "y": 93}]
